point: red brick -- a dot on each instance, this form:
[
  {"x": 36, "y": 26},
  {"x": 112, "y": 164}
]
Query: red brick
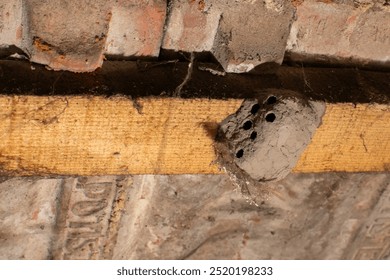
[
  {"x": 338, "y": 33},
  {"x": 241, "y": 35},
  {"x": 136, "y": 30},
  {"x": 67, "y": 35},
  {"x": 192, "y": 26}
]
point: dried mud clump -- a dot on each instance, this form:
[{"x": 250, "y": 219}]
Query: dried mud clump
[{"x": 265, "y": 138}]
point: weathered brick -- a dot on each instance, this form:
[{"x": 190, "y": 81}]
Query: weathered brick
[
  {"x": 192, "y": 26},
  {"x": 194, "y": 217},
  {"x": 341, "y": 33},
  {"x": 67, "y": 35},
  {"x": 72, "y": 35},
  {"x": 308, "y": 216},
  {"x": 255, "y": 35},
  {"x": 136, "y": 28},
  {"x": 28, "y": 213},
  {"x": 241, "y": 35},
  {"x": 75, "y": 36},
  {"x": 11, "y": 27},
  {"x": 88, "y": 221}
]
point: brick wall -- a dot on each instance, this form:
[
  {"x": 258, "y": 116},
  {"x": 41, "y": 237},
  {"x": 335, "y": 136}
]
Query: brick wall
[{"x": 78, "y": 35}]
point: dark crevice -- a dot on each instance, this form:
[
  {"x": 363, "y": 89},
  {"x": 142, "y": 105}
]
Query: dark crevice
[
  {"x": 7, "y": 52},
  {"x": 270, "y": 117},
  {"x": 255, "y": 109},
  {"x": 240, "y": 153},
  {"x": 247, "y": 125},
  {"x": 323, "y": 61},
  {"x": 160, "y": 79},
  {"x": 253, "y": 135},
  {"x": 271, "y": 100}
]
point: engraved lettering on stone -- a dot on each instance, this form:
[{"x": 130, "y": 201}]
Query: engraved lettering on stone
[
  {"x": 87, "y": 219},
  {"x": 86, "y": 208}
]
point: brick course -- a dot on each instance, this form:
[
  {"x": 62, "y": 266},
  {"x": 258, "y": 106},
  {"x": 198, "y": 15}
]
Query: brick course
[
  {"x": 76, "y": 36},
  {"x": 340, "y": 33}
]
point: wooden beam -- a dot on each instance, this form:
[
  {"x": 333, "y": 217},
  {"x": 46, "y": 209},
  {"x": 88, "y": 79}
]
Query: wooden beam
[
  {"x": 351, "y": 138},
  {"x": 122, "y": 119},
  {"x": 94, "y": 135}
]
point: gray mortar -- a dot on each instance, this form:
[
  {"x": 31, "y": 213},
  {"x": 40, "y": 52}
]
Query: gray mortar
[{"x": 265, "y": 148}]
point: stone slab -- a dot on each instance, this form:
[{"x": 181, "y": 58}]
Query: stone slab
[
  {"x": 304, "y": 216},
  {"x": 28, "y": 216}
]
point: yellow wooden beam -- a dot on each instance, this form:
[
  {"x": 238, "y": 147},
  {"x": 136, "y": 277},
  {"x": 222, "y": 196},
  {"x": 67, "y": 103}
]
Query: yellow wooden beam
[
  {"x": 352, "y": 138},
  {"x": 91, "y": 135}
]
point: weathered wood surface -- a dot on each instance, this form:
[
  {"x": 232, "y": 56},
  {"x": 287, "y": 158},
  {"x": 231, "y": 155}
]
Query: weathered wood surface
[
  {"x": 122, "y": 119},
  {"x": 351, "y": 138},
  {"x": 97, "y": 135}
]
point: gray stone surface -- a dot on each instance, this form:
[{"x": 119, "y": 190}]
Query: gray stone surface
[
  {"x": 255, "y": 35},
  {"x": 200, "y": 217},
  {"x": 10, "y": 23},
  {"x": 88, "y": 217},
  {"x": 305, "y": 216},
  {"x": 28, "y": 211}
]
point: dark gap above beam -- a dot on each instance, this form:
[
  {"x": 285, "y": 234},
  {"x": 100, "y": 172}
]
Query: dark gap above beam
[{"x": 143, "y": 79}]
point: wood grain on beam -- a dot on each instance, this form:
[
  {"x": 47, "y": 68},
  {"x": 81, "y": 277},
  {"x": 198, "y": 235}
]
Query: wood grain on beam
[
  {"x": 92, "y": 135},
  {"x": 351, "y": 138}
]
